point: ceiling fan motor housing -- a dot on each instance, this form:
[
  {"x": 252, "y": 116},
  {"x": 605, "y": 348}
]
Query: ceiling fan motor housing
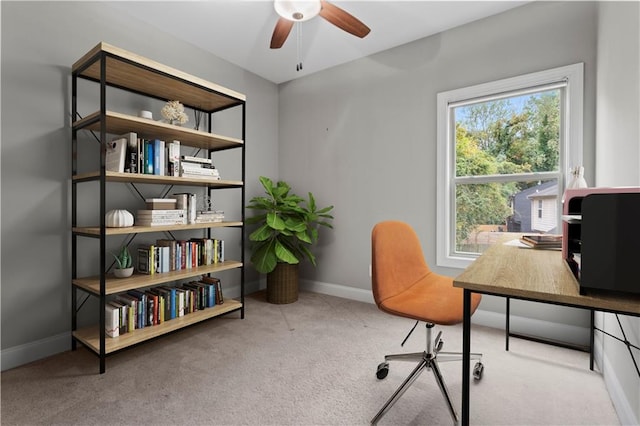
[{"x": 297, "y": 10}]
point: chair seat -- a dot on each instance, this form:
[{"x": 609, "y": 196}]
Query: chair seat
[{"x": 433, "y": 299}]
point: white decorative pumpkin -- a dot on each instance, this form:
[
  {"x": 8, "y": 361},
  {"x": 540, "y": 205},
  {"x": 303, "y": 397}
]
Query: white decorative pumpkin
[{"x": 118, "y": 219}]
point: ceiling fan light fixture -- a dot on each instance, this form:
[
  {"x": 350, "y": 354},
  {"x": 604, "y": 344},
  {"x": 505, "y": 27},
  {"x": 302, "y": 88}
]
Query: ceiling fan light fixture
[{"x": 297, "y": 10}]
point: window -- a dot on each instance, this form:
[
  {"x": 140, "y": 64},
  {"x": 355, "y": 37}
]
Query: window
[
  {"x": 539, "y": 209},
  {"x": 505, "y": 149}
]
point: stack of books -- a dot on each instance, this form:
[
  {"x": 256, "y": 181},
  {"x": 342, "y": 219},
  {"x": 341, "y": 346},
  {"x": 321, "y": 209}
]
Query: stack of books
[
  {"x": 198, "y": 167},
  {"x": 209, "y": 216},
  {"x": 161, "y": 217},
  {"x": 161, "y": 211},
  {"x": 546, "y": 241}
]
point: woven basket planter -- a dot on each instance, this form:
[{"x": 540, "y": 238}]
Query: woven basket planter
[{"x": 282, "y": 284}]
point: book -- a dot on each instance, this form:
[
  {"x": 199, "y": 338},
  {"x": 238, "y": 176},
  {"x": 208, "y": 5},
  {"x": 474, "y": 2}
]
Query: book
[
  {"x": 141, "y": 299},
  {"x": 132, "y": 303},
  {"x": 159, "y": 222},
  {"x": 160, "y": 203},
  {"x": 180, "y": 302},
  {"x": 111, "y": 320},
  {"x": 115, "y": 155},
  {"x": 122, "y": 309},
  {"x": 171, "y": 302},
  {"x": 158, "y": 157},
  {"x": 144, "y": 260},
  {"x": 154, "y": 308},
  {"x": 194, "y": 159},
  {"x": 141, "y": 154},
  {"x": 547, "y": 241},
  {"x": 194, "y": 165},
  {"x": 186, "y": 170},
  {"x": 171, "y": 246},
  {"x": 163, "y": 303},
  {"x": 160, "y": 212},
  {"x": 174, "y": 158},
  {"x": 219, "y": 299},
  {"x": 148, "y": 157},
  {"x": 131, "y": 150}
]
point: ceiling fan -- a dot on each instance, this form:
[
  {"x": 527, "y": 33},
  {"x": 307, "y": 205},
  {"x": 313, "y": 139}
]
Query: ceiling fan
[{"x": 292, "y": 11}]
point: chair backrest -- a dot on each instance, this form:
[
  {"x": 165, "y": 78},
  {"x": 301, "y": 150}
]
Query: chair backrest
[{"x": 397, "y": 260}]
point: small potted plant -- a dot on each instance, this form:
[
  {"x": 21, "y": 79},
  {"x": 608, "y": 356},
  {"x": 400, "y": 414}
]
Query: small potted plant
[
  {"x": 125, "y": 263},
  {"x": 288, "y": 227}
]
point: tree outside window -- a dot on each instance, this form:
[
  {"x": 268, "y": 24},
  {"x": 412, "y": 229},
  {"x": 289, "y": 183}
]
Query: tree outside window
[{"x": 495, "y": 140}]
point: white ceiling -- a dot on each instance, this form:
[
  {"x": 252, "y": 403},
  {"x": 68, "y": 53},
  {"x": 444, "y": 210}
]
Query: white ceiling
[{"x": 239, "y": 31}]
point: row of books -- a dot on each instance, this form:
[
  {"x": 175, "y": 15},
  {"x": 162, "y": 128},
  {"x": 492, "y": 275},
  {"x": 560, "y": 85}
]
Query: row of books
[
  {"x": 174, "y": 255},
  {"x": 130, "y": 154},
  {"x": 138, "y": 309}
]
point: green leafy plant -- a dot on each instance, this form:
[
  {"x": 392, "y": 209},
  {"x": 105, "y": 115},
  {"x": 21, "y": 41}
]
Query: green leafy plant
[
  {"x": 123, "y": 258},
  {"x": 288, "y": 226}
]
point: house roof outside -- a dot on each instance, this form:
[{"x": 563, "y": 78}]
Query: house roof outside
[{"x": 522, "y": 202}]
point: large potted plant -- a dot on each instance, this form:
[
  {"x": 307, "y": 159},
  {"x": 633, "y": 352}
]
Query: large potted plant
[{"x": 288, "y": 227}]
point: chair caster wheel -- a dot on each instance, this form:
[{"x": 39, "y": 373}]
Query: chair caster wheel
[
  {"x": 383, "y": 370},
  {"x": 478, "y": 369}
]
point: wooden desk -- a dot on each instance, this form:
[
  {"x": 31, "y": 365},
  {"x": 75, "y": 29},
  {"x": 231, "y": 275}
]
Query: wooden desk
[{"x": 527, "y": 274}]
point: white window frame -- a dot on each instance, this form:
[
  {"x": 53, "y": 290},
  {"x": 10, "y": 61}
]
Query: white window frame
[{"x": 571, "y": 78}]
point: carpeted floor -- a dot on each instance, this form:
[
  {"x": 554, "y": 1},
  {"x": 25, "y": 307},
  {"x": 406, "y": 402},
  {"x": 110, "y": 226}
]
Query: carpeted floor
[{"x": 312, "y": 362}]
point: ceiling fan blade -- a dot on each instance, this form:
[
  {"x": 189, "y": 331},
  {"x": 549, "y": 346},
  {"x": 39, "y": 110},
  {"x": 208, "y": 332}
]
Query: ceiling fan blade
[
  {"x": 343, "y": 20},
  {"x": 280, "y": 33}
]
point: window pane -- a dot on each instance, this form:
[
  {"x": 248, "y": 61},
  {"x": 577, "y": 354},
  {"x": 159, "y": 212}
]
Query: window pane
[
  {"x": 518, "y": 134},
  {"x": 485, "y": 211}
]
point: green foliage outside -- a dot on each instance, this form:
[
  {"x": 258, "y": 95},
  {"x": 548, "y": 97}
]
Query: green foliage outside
[{"x": 492, "y": 138}]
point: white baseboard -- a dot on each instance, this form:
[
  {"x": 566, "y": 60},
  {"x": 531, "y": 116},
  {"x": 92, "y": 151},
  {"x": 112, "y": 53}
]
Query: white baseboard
[
  {"x": 620, "y": 400},
  {"x": 351, "y": 293},
  {"x": 545, "y": 329},
  {"x": 33, "y": 351}
]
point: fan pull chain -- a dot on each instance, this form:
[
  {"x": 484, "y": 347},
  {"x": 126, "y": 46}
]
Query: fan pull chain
[{"x": 298, "y": 43}]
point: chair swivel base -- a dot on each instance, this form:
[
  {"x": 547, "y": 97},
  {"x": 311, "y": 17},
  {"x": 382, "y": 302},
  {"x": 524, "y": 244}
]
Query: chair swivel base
[{"x": 427, "y": 360}]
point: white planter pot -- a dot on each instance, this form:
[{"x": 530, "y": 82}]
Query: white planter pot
[{"x": 123, "y": 273}]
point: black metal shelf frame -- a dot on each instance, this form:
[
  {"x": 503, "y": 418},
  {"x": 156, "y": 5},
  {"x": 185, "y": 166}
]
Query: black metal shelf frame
[{"x": 102, "y": 57}]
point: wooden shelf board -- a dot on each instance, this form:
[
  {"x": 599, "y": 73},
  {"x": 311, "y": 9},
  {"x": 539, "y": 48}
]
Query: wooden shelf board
[
  {"x": 156, "y": 179},
  {"x": 115, "y": 285},
  {"x": 95, "y": 230},
  {"x": 126, "y": 69},
  {"x": 90, "y": 336},
  {"x": 118, "y": 123}
]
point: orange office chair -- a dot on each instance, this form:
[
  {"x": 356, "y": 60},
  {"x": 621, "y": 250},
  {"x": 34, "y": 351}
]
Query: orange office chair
[{"x": 403, "y": 285}]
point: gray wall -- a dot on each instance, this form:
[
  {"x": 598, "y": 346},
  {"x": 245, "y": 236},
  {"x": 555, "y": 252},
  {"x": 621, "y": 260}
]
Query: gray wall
[
  {"x": 618, "y": 164},
  {"x": 40, "y": 42},
  {"x": 362, "y": 136}
]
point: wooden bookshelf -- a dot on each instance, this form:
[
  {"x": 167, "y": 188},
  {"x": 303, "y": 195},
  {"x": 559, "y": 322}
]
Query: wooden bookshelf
[
  {"x": 142, "y": 75},
  {"x": 90, "y": 336},
  {"x": 115, "y": 285},
  {"x": 156, "y": 179},
  {"x": 117, "y": 123},
  {"x": 95, "y": 230},
  {"x": 112, "y": 67}
]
